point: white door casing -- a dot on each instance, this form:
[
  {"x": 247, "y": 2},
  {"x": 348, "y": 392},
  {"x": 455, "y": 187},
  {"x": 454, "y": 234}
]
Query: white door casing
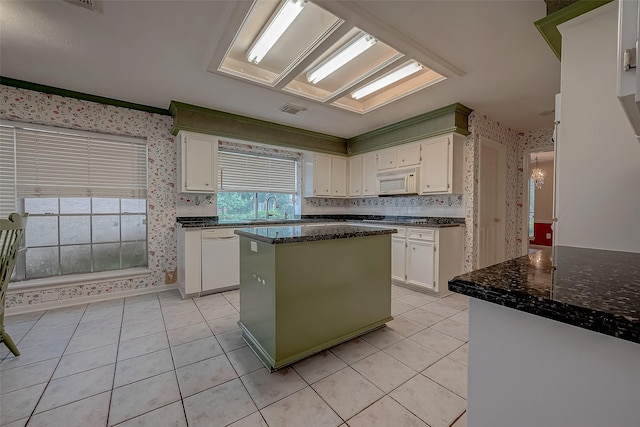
[
  {"x": 491, "y": 203},
  {"x": 526, "y": 174}
]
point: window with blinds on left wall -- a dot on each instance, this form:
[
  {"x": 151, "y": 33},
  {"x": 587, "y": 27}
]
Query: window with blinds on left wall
[{"x": 86, "y": 197}]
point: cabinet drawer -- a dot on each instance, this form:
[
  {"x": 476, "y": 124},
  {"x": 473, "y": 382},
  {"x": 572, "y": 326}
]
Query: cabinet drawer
[{"x": 422, "y": 234}]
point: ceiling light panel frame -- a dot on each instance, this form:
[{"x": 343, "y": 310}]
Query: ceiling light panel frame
[
  {"x": 308, "y": 30},
  {"x": 316, "y": 38},
  {"x": 370, "y": 62}
]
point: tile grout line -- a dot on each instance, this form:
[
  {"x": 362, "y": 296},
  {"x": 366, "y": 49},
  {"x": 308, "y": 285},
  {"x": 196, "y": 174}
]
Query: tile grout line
[
  {"x": 115, "y": 364},
  {"x": 54, "y": 369}
]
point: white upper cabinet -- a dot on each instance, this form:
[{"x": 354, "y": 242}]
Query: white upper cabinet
[
  {"x": 325, "y": 176},
  {"x": 442, "y": 165},
  {"x": 408, "y": 155},
  {"x": 399, "y": 157},
  {"x": 321, "y": 175},
  {"x": 355, "y": 176},
  {"x": 339, "y": 177},
  {"x": 197, "y": 162},
  {"x": 362, "y": 175},
  {"x": 369, "y": 174},
  {"x": 387, "y": 159}
]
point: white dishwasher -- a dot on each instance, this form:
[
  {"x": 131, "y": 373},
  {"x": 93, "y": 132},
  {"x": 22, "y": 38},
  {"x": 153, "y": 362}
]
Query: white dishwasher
[{"x": 220, "y": 260}]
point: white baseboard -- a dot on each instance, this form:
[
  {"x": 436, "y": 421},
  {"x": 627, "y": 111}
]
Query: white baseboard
[{"x": 85, "y": 300}]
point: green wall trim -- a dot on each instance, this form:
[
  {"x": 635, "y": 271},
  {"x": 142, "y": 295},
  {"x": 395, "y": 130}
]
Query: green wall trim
[
  {"x": 548, "y": 26},
  {"x": 80, "y": 95},
  {"x": 214, "y": 122},
  {"x": 452, "y": 118}
]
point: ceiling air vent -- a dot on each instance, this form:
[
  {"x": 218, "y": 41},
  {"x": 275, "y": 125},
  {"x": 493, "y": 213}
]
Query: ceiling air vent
[
  {"x": 95, "y": 5},
  {"x": 292, "y": 109}
]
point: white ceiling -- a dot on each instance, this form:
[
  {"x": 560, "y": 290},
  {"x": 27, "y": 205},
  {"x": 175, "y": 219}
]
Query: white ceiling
[{"x": 152, "y": 52}]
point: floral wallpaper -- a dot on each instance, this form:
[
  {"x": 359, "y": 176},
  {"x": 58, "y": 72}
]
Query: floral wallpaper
[
  {"x": 515, "y": 142},
  {"x": 36, "y": 107},
  {"x": 164, "y": 204}
]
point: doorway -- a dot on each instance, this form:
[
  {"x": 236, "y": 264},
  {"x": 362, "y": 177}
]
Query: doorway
[
  {"x": 538, "y": 198},
  {"x": 491, "y": 203}
]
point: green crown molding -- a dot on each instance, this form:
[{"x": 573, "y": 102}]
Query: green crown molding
[
  {"x": 205, "y": 120},
  {"x": 452, "y": 118},
  {"x": 80, "y": 95},
  {"x": 548, "y": 26}
]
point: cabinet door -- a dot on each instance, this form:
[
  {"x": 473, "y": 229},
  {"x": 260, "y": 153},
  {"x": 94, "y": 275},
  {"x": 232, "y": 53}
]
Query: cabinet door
[
  {"x": 387, "y": 159},
  {"x": 436, "y": 162},
  {"x": 369, "y": 174},
  {"x": 199, "y": 164},
  {"x": 398, "y": 246},
  {"x": 420, "y": 261},
  {"x": 321, "y": 175},
  {"x": 409, "y": 155},
  {"x": 355, "y": 176},
  {"x": 338, "y": 177}
]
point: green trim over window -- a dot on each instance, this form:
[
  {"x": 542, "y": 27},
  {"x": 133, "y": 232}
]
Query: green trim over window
[
  {"x": 452, "y": 118},
  {"x": 80, "y": 95},
  {"x": 548, "y": 26},
  {"x": 214, "y": 122}
]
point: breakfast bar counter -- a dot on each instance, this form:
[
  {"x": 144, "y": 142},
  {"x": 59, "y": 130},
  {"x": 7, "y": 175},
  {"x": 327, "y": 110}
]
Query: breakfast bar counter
[
  {"x": 554, "y": 339},
  {"x": 304, "y": 289}
]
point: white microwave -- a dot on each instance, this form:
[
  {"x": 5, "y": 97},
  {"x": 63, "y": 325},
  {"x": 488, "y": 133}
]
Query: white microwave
[{"x": 397, "y": 182}]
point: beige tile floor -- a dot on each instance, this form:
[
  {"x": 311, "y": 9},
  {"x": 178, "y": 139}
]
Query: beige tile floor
[{"x": 157, "y": 360}]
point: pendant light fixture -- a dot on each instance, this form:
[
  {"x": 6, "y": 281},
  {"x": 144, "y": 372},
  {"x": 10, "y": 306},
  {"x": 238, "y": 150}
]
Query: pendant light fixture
[
  {"x": 537, "y": 176},
  {"x": 343, "y": 55},
  {"x": 278, "y": 24},
  {"x": 386, "y": 80}
]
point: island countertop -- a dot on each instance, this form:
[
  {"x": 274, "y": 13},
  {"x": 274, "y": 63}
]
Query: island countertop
[
  {"x": 294, "y": 234},
  {"x": 593, "y": 289}
]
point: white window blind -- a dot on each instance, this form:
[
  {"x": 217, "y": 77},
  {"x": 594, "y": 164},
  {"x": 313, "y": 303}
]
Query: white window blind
[
  {"x": 67, "y": 164},
  {"x": 7, "y": 172},
  {"x": 247, "y": 172}
]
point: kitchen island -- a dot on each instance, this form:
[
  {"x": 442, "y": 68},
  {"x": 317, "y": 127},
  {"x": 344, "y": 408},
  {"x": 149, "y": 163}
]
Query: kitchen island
[
  {"x": 554, "y": 339},
  {"x": 304, "y": 289}
]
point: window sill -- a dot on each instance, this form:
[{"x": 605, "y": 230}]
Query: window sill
[{"x": 77, "y": 279}]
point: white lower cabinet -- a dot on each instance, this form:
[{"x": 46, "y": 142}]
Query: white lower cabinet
[
  {"x": 208, "y": 261},
  {"x": 398, "y": 258},
  {"x": 420, "y": 263},
  {"x": 189, "y": 261},
  {"x": 431, "y": 257}
]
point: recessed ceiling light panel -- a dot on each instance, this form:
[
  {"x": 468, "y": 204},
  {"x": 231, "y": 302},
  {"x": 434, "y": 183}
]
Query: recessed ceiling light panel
[
  {"x": 275, "y": 28},
  {"x": 348, "y": 52}
]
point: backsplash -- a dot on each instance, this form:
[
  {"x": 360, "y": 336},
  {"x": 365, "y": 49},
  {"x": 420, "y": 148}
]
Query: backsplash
[{"x": 439, "y": 206}]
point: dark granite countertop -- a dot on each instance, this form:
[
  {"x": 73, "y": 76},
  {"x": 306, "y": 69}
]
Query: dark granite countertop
[
  {"x": 430, "y": 222},
  {"x": 295, "y": 234},
  {"x": 593, "y": 289}
]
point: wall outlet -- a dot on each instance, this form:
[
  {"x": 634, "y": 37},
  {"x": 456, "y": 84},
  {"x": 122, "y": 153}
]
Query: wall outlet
[
  {"x": 548, "y": 235},
  {"x": 254, "y": 246},
  {"x": 50, "y": 296}
]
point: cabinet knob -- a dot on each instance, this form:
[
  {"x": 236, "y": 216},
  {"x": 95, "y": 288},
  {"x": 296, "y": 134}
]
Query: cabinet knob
[
  {"x": 427, "y": 186},
  {"x": 207, "y": 184}
]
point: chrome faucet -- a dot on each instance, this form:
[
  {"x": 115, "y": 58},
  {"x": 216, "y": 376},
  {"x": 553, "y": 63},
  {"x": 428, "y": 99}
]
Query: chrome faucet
[{"x": 275, "y": 205}]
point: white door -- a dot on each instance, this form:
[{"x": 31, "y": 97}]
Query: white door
[
  {"x": 420, "y": 260},
  {"x": 491, "y": 204},
  {"x": 398, "y": 258}
]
